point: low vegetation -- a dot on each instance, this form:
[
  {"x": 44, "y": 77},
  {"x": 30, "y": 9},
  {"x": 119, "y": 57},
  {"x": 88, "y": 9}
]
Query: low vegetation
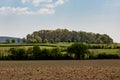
[{"x": 56, "y": 51}]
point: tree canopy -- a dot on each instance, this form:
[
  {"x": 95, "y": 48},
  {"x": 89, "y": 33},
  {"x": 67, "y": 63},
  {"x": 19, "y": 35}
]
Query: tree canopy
[
  {"x": 64, "y": 35},
  {"x": 79, "y": 49}
]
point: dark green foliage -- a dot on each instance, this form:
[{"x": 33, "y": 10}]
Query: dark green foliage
[
  {"x": 29, "y": 53},
  {"x": 33, "y": 39},
  {"x": 17, "y": 54},
  {"x": 64, "y": 35},
  {"x": 45, "y": 41},
  {"x": 37, "y": 53},
  {"x": 38, "y": 39},
  {"x": 92, "y": 55},
  {"x": 56, "y": 52},
  {"x": 51, "y": 41},
  {"x": 24, "y": 40},
  {"x": 107, "y": 56},
  {"x": 75, "y": 51},
  {"x": 103, "y": 39},
  {"x": 79, "y": 49},
  {"x": 46, "y": 54},
  {"x": 13, "y": 41}
]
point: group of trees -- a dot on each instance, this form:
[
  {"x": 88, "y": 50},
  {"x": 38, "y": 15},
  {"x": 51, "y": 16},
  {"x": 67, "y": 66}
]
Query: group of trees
[
  {"x": 64, "y": 35},
  {"x": 36, "y": 53},
  {"x": 75, "y": 51},
  {"x": 10, "y": 41}
]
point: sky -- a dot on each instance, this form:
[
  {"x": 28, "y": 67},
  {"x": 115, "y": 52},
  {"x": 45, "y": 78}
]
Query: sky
[{"x": 21, "y": 17}]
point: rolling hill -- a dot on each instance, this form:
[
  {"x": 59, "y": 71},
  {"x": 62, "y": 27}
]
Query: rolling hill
[{"x": 4, "y": 38}]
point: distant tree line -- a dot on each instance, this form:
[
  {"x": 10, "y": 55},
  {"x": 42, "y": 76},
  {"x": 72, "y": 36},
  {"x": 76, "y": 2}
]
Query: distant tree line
[
  {"x": 11, "y": 41},
  {"x": 64, "y": 35}
]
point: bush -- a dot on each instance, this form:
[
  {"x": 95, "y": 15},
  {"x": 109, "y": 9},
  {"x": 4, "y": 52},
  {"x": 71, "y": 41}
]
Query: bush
[
  {"x": 46, "y": 54},
  {"x": 79, "y": 49},
  {"x": 17, "y": 53},
  {"x": 107, "y": 56},
  {"x": 37, "y": 53}
]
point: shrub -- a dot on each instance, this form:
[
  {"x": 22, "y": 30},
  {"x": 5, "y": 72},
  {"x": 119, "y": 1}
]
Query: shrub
[
  {"x": 17, "y": 53},
  {"x": 107, "y": 56},
  {"x": 46, "y": 53},
  {"x": 79, "y": 49},
  {"x": 36, "y": 52}
]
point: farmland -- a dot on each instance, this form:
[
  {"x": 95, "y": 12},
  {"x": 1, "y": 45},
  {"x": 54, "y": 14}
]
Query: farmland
[
  {"x": 113, "y": 47},
  {"x": 109, "y": 50},
  {"x": 60, "y": 70}
]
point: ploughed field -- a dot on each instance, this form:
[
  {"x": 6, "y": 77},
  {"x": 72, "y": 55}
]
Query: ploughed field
[{"x": 60, "y": 70}]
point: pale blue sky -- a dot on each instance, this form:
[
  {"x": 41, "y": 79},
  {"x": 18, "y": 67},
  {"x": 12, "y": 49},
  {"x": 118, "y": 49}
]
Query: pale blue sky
[{"x": 21, "y": 17}]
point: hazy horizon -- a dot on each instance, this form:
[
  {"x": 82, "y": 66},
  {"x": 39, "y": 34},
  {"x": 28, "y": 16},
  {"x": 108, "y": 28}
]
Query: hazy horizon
[{"x": 21, "y": 17}]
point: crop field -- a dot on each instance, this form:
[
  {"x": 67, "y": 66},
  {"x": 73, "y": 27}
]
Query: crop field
[{"x": 60, "y": 70}]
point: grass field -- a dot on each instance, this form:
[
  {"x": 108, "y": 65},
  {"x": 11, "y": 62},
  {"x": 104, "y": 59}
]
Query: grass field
[
  {"x": 60, "y": 70},
  {"x": 110, "y": 51},
  {"x": 62, "y": 44},
  {"x": 5, "y": 47},
  {"x": 107, "y": 51}
]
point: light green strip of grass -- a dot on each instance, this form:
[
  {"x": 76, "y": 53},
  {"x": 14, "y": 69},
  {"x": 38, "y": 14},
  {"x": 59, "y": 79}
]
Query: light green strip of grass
[{"x": 108, "y": 51}]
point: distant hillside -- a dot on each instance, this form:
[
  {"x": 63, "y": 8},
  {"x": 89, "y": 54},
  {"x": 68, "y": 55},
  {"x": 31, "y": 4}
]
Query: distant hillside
[
  {"x": 64, "y": 35},
  {"x": 4, "y": 38}
]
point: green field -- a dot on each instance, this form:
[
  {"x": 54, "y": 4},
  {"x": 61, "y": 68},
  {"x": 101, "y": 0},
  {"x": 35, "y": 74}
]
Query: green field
[
  {"x": 39, "y": 44},
  {"x": 4, "y": 47},
  {"x": 108, "y": 51}
]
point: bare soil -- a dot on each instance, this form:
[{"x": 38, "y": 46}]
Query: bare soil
[{"x": 60, "y": 70}]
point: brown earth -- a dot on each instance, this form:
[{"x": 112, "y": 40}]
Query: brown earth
[{"x": 60, "y": 70}]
